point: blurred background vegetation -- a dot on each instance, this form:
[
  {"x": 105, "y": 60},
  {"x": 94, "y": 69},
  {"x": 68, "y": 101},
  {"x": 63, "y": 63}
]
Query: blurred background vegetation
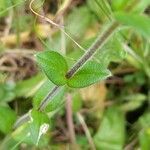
[{"x": 111, "y": 115}]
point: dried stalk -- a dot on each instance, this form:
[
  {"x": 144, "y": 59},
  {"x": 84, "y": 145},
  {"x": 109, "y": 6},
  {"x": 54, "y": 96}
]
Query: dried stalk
[{"x": 69, "y": 117}]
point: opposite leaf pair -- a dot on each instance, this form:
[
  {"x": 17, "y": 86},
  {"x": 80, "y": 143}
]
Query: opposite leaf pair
[{"x": 55, "y": 67}]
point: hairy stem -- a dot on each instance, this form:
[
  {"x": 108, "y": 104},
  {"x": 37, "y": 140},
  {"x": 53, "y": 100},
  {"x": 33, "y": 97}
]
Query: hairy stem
[
  {"x": 100, "y": 41},
  {"x": 48, "y": 97}
]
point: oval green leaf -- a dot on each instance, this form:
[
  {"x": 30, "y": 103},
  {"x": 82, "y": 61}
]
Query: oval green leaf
[
  {"x": 90, "y": 73},
  {"x": 54, "y": 66}
]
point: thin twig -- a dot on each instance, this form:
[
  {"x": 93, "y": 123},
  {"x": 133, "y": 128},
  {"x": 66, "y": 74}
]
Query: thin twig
[
  {"x": 70, "y": 119},
  {"x": 86, "y": 130},
  {"x": 51, "y": 22},
  {"x": 131, "y": 145},
  {"x": 43, "y": 17}
]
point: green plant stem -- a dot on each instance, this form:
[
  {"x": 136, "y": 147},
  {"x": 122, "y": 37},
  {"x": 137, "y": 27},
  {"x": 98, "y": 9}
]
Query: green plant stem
[
  {"x": 100, "y": 41},
  {"x": 48, "y": 98}
]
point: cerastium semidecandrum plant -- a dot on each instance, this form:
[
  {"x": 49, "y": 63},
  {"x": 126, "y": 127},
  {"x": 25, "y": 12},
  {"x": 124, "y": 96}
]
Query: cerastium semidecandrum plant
[
  {"x": 100, "y": 41},
  {"x": 83, "y": 73}
]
